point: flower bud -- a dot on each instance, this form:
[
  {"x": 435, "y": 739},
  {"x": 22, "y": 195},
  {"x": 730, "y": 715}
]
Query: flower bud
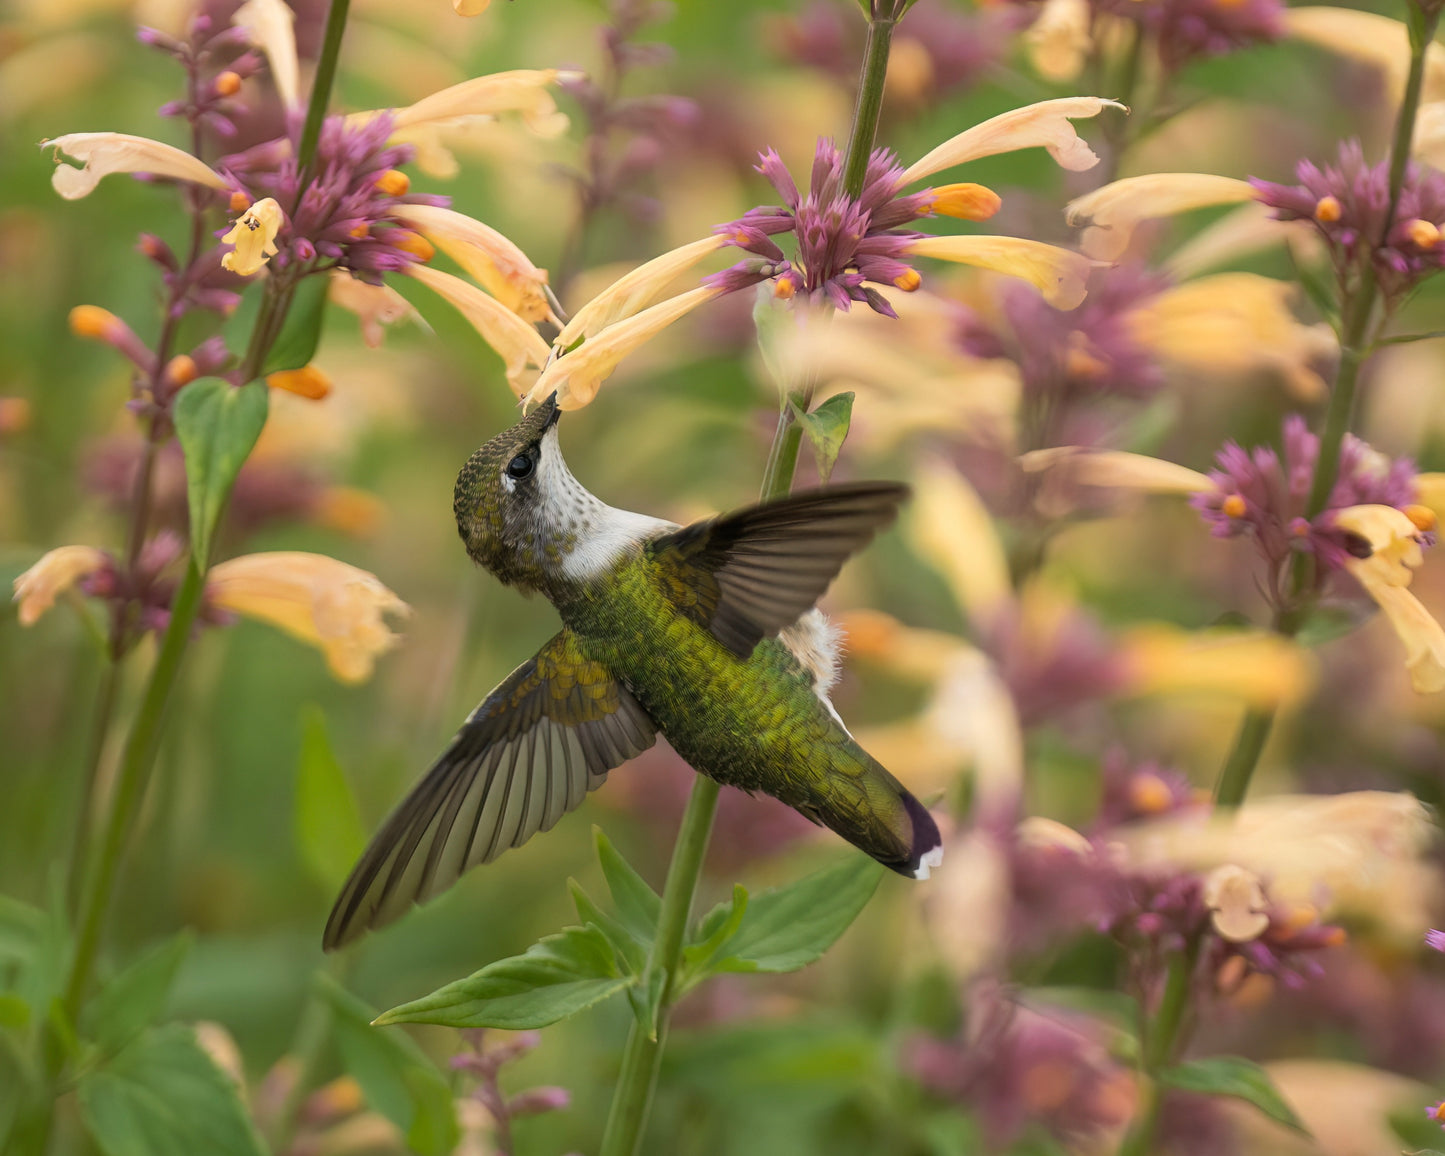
[
  {"x": 1328, "y": 210},
  {"x": 1233, "y": 506},
  {"x": 967, "y": 202},
  {"x": 393, "y": 182},
  {"x": 1424, "y": 234},
  {"x": 228, "y": 84}
]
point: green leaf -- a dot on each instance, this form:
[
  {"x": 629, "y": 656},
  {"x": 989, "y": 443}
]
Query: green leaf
[
  {"x": 21, "y": 929},
  {"x": 827, "y": 428},
  {"x": 790, "y": 927},
  {"x": 328, "y": 833},
  {"x": 1233, "y": 1076},
  {"x": 638, "y": 905},
  {"x": 301, "y": 332},
  {"x": 162, "y": 1096},
  {"x": 718, "y": 926},
  {"x": 395, "y": 1075},
  {"x": 631, "y": 950},
  {"x": 135, "y": 998},
  {"x": 14, "y": 1013},
  {"x": 217, "y": 425},
  {"x": 556, "y": 977},
  {"x": 1327, "y": 623}
]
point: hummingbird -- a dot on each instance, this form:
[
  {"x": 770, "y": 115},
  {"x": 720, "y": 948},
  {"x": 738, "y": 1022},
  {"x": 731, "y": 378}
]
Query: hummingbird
[{"x": 707, "y": 634}]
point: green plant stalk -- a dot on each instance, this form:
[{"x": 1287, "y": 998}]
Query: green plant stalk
[
  {"x": 1158, "y": 1044},
  {"x": 642, "y": 1056},
  {"x": 321, "y": 89}
]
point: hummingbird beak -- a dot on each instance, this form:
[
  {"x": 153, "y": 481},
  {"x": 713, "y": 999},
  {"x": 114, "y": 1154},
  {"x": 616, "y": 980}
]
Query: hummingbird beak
[{"x": 552, "y": 410}]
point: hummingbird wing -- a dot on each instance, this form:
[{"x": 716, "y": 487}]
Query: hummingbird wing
[
  {"x": 749, "y": 574},
  {"x": 547, "y": 735}
]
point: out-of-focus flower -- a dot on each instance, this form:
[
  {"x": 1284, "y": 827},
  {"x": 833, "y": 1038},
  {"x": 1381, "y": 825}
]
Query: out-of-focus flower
[
  {"x": 486, "y": 1109},
  {"x": 308, "y": 382},
  {"x": 97, "y": 324},
  {"x": 1140, "y": 791},
  {"x": 376, "y": 306},
  {"x": 1109, "y": 214},
  {"x": 1436, "y": 1112},
  {"x": 55, "y": 573},
  {"x": 269, "y": 24},
  {"x": 1435, "y": 939},
  {"x": 1059, "y": 39},
  {"x": 1349, "y": 204},
  {"x": 524, "y": 91},
  {"x": 104, "y": 153},
  {"x": 844, "y": 243},
  {"x": 1185, "y": 30},
  {"x": 319, "y": 600},
  {"x": 254, "y": 238},
  {"x": 1369, "y": 37},
  {"x": 1236, "y": 903},
  {"x": 1024, "y": 1066},
  {"x": 14, "y": 415}
]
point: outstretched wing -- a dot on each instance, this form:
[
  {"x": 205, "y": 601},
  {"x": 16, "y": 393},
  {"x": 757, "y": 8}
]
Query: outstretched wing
[
  {"x": 751, "y": 573},
  {"x": 529, "y": 754}
]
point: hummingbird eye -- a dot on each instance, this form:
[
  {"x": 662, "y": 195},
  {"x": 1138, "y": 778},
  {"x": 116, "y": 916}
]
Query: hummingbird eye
[{"x": 521, "y": 467}]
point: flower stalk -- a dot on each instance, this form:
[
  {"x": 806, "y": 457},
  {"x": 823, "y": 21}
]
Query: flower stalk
[{"x": 642, "y": 1056}]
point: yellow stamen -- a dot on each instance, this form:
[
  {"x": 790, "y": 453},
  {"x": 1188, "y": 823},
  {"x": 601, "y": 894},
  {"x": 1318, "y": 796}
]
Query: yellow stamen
[
  {"x": 413, "y": 243},
  {"x": 1233, "y": 506},
  {"x": 1422, "y": 516},
  {"x": 1149, "y": 794},
  {"x": 908, "y": 280},
  {"x": 95, "y": 323},
  {"x": 1424, "y": 234},
  {"x": 393, "y": 183},
  {"x": 308, "y": 382},
  {"x": 228, "y": 83},
  {"x": 240, "y": 202},
  {"x": 967, "y": 202},
  {"x": 783, "y": 288},
  {"x": 361, "y": 230},
  {"x": 181, "y": 370},
  {"x": 1328, "y": 210}
]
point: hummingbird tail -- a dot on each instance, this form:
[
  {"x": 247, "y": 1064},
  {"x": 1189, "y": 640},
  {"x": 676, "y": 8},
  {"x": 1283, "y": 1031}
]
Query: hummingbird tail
[
  {"x": 879, "y": 815},
  {"x": 926, "y": 851}
]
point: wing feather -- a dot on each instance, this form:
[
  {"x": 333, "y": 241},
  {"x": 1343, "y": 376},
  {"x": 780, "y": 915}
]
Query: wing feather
[{"x": 548, "y": 734}]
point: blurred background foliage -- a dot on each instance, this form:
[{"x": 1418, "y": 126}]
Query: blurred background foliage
[{"x": 786, "y": 1065}]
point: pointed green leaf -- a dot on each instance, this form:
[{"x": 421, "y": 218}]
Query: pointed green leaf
[
  {"x": 301, "y": 332},
  {"x": 1236, "y": 1077},
  {"x": 329, "y": 833},
  {"x": 630, "y": 950},
  {"x": 162, "y": 1095},
  {"x": 556, "y": 977},
  {"x": 790, "y": 927},
  {"x": 827, "y": 428},
  {"x": 638, "y": 905},
  {"x": 395, "y": 1075},
  {"x": 135, "y": 998},
  {"x": 217, "y": 426},
  {"x": 718, "y": 926}
]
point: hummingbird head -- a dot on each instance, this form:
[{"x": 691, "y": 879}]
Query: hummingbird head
[{"x": 518, "y": 507}]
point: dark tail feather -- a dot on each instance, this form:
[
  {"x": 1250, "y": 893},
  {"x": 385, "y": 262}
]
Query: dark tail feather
[{"x": 926, "y": 849}]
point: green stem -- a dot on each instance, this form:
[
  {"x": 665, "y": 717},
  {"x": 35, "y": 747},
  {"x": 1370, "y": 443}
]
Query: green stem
[
  {"x": 870, "y": 102},
  {"x": 1160, "y": 1043},
  {"x": 1421, "y": 36},
  {"x": 1234, "y": 779},
  {"x": 643, "y": 1054},
  {"x": 321, "y": 89}
]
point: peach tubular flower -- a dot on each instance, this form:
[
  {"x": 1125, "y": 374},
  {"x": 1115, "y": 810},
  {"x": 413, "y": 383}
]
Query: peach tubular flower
[
  {"x": 518, "y": 344},
  {"x": 1110, "y": 214},
  {"x": 1263, "y": 669},
  {"x": 55, "y": 573},
  {"x": 1059, "y": 274},
  {"x": 319, "y": 600},
  {"x": 1394, "y": 554},
  {"x": 635, "y": 290},
  {"x": 1236, "y": 903},
  {"x": 254, "y": 238},
  {"x": 1042, "y": 125},
  {"x": 1059, "y": 40},
  {"x": 523, "y": 91},
  {"x": 270, "y": 26},
  {"x": 578, "y": 375},
  {"x": 104, "y": 153},
  {"x": 952, "y": 531},
  {"x": 1116, "y": 469},
  {"x": 376, "y": 306},
  {"x": 496, "y": 262}
]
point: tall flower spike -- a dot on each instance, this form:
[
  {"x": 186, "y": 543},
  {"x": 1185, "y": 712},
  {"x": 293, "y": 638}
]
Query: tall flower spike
[
  {"x": 104, "y": 153},
  {"x": 319, "y": 600},
  {"x": 270, "y": 26}
]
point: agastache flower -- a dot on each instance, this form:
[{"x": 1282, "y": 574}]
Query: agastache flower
[
  {"x": 1349, "y": 203},
  {"x": 846, "y": 244}
]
